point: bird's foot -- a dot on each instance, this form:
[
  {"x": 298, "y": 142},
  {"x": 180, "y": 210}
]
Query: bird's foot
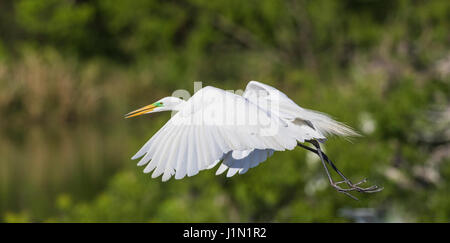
[{"x": 355, "y": 187}]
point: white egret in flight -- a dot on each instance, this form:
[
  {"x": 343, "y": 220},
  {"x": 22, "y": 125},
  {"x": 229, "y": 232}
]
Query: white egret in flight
[{"x": 216, "y": 126}]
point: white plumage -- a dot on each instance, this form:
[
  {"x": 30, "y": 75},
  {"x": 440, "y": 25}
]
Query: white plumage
[{"x": 216, "y": 126}]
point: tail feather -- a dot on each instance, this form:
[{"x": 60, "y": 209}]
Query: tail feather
[{"x": 328, "y": 126}]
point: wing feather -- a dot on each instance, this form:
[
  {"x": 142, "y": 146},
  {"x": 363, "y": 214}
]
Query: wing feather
[
  {"x": 180, "y": 163},
  {"x": 169, "y": 170},
  {"x": 187, "y": 145},
  {"x": 166, "y": 153},
  {"x": 159, "y": 147},
  {"x": 192, "y": 160},
  {"x": 145, "y": 148},
  {"x": 241, "y": 161}
]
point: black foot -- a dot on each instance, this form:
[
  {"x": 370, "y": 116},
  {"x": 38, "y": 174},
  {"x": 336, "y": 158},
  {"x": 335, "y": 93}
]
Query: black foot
[{"x": 355, "y": 187}]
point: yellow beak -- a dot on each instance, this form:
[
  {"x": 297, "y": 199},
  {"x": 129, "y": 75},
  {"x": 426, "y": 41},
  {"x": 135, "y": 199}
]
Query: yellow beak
[{"x": 140, "y": 111}]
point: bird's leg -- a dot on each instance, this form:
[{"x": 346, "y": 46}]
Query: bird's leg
[
  {"x": 325, "y": 157},
  {"x": 332, "y": 183},
  {"x": 353, "y": 187}
]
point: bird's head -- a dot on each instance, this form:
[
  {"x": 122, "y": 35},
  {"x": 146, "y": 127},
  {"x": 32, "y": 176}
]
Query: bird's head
[{"x": 165, "y": 104}]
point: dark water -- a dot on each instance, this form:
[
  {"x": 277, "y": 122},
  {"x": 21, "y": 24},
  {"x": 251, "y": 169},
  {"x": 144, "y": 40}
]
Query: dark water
[{"x": 39, "y": 163}]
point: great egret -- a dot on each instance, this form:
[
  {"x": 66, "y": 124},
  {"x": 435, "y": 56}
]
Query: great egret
[{"x": 241, "y": 131}]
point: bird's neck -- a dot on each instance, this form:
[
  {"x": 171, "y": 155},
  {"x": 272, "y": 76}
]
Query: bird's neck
[{"x": 179, "y": 106}]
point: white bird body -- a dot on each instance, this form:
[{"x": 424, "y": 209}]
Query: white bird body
[{"x": 241, "y": 131}]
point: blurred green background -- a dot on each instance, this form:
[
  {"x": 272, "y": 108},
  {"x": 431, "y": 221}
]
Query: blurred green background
[{"x": 70, "y": 69}]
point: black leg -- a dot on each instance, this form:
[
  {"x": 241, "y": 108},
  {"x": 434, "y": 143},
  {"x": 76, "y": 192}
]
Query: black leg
[
  {"x": 353, "y": 187},
  {"x": 326, "y": 159}
]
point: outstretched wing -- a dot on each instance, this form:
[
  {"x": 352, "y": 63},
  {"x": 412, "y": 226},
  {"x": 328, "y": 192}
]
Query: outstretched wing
[
  {"x": 304, "y": 124},
  {"x": 312, "y": 124},
  {"x": 211, "y": 124}
]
